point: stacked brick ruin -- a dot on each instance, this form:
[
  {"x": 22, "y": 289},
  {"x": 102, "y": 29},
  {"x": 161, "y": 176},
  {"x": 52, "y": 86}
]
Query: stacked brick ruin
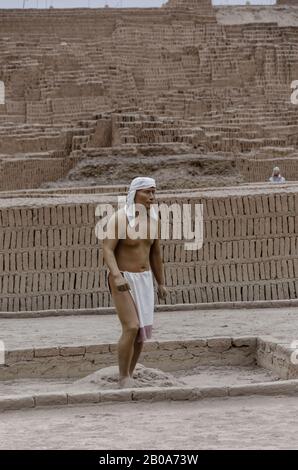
[
  {"x": 172, "y": 79},
  {"x": 97, "y": 92},
  {"x": 202, "y": 6},
  {"x": 287, "y": 2}
]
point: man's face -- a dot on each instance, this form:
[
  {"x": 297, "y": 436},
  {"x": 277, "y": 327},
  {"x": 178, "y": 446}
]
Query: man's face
[
  {"x": 146, "y": 197},
  {"x": 276, "y": 172}
]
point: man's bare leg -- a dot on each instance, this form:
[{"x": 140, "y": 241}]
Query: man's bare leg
[
  {"x": 127, "y": 314},
  {"x": 136, "y": 354},
  {"x": 125, "y": 355}
]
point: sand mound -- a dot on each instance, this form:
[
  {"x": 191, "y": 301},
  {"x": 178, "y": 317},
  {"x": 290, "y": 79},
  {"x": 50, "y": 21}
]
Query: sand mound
[{"x": 107, "y": 378}]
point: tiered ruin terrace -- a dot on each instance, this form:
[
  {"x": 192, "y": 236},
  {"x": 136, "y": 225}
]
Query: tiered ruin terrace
[{"x": 80, "y": 84}]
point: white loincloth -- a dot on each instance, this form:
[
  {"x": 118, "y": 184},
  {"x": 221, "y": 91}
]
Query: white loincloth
[{"x": 142, "y": 291}]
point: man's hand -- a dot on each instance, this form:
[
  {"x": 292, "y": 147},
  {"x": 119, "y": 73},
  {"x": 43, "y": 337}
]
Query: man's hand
[
  {"x": 121, "y": 283},
  {"x": 162, "y": 291}
]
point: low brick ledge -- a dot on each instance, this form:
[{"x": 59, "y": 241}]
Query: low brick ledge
[
  {"x": 212, "y": 342},
  {"x": 79, "y": 360},
  {"x": 158, "y": 308},
  {"x": 148, "y": 394}
]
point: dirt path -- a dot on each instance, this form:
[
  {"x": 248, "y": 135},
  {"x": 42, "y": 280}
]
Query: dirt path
[
  {"x": 234, "y": 423},
  {"x": 54, "y": 331}
]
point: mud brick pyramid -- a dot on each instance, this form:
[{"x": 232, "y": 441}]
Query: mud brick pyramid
[
  {"x": 81, "y": 83},
  {"x": 96, "y": 97},
  {"x": 287, "y": 2}
]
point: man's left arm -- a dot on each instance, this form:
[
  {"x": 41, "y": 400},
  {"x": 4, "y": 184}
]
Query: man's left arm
[{"x": 158, "y": 268}]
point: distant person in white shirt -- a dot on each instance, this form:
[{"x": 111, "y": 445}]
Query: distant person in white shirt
[{"x": 276, "y": 176}]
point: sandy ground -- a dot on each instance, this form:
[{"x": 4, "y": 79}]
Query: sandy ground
[
  {"x": 281, "y": 323},
  {"x": 233, "y": 423},
  {"x": 218, "y": 376},
  {"x": 107, "y": 378}
]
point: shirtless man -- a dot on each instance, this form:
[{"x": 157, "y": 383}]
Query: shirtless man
[{"x": 132, "y": 262}]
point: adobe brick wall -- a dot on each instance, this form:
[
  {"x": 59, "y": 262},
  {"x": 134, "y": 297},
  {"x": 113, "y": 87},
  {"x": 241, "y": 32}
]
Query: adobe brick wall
[
  {"x": 50, "y": 257},
  {"x": 170, "y": 355},
  {"x": 32, "y": 172},
  {"x": 201, "y": 6},
  {"x": 258, "y": 170},
  {"x": 279, "y": 358},
  {"x": 287, "y": 2}
]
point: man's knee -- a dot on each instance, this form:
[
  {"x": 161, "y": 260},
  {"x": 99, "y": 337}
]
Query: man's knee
[{"x": 131, "y": 329}]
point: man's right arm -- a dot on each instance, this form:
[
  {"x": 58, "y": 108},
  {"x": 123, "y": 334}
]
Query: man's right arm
[{"x": 109, "y": 245}]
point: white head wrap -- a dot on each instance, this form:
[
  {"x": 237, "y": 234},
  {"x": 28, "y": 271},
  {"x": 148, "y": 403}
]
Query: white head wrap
[{"x": 135, "y": 185}]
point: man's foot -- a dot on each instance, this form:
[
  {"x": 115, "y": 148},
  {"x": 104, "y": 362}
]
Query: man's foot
[{"x": 126, "y": 382}]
